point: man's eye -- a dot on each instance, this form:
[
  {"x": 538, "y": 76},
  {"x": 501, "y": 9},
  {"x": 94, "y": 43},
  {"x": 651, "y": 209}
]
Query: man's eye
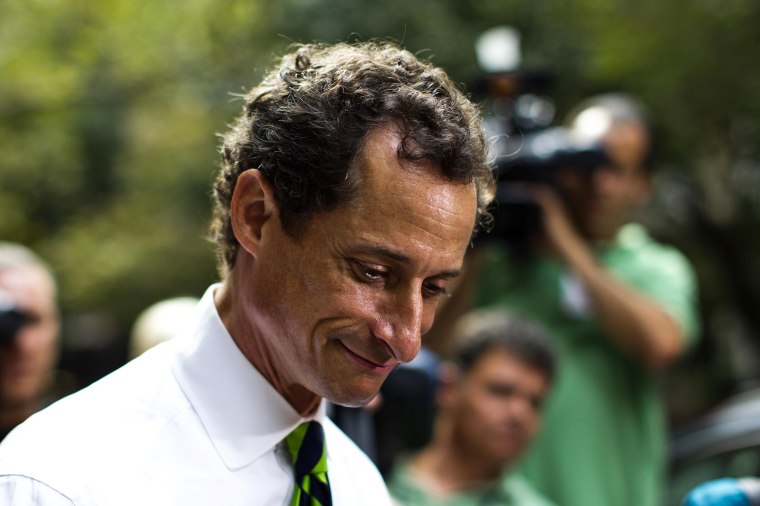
[
  {"x": 367, "y": 272},
  {"x": 430, "y": 290},
  {"x": 537, "y": 403},
  {"x": 500, "y": 390}
]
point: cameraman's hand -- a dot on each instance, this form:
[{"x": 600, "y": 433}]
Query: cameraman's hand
[
  {"x": 560, "y": 233},
  {"x": 637, "y": 325}
]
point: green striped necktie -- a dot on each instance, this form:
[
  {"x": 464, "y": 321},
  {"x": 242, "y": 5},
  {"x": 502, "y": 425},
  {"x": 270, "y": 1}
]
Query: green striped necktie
[{"x": 308, "y": 451}]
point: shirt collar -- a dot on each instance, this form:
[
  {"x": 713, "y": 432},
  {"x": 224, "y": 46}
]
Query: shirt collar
[{"x": 242, "y": 413}]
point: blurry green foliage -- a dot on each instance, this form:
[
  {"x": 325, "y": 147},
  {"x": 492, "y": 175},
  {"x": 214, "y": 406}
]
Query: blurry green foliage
[{"x": 109, "y": 111}]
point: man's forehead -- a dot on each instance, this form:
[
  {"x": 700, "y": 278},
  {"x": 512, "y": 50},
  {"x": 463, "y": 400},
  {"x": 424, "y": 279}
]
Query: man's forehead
[
  {"x": 381, "y": 161},
  {"x": 27, "y": 285},
  {"x": 627, "y": 142}
]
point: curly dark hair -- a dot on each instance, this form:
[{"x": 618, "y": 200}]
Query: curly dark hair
[{"x": 304, "y": 127}]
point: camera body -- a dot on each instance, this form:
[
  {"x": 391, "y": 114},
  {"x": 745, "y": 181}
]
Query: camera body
[
  {"x": 534, "y": 158},
  {"x": 525, "y": 147},
  {"x": 12, "y": 318}
]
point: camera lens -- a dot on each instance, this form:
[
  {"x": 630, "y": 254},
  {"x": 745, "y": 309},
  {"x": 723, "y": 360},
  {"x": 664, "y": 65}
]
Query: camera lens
[{"x": 11, "y": 321}]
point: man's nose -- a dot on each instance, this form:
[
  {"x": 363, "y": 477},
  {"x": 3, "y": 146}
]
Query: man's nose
[
  {"x": 404, "y": 322},
  {"x": 522, "y": 408}
]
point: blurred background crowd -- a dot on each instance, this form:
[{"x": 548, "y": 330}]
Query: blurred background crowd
[{"x": 109, "y": 112}]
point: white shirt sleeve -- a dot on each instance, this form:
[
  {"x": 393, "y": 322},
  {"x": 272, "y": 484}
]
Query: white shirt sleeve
[{"x": 16, "y": 490}]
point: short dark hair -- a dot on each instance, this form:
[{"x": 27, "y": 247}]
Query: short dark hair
[
  {"x": 481, "y": 331},
  {"x": 304, "y": 127}
]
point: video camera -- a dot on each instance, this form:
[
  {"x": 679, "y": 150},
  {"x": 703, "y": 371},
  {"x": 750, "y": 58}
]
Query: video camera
[
  {"x": 526, "y": 147},
  {"x": 534, "y": 158},
  {"x": 12, "y": 319}
]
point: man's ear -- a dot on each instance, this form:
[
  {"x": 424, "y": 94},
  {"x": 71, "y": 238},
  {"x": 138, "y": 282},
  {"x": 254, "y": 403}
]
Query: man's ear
[{"x": 251, "y": 207}]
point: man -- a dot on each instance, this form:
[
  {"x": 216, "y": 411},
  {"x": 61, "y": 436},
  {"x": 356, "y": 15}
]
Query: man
[
  {"x": 29, "y": 326},
  {"x": 349, "y": 190},
  {"x": 619, "y": 306},
  {"x": 489, "y": 410}
]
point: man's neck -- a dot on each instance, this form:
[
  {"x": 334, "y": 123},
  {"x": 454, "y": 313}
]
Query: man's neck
[{"x": 253, "y": 346}]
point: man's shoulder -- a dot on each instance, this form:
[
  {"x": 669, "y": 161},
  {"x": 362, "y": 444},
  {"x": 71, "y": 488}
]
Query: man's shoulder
[
  {"x": 638, "y": 256},
  {"x": 511, "y": 488},
  {"x": 522, "y": 492},
  {"x": 103, "y": 426},
  {"x": 640, "y": 259},
  {"x": 636, "y": 240},
  {"x": 404, "y": 487}
]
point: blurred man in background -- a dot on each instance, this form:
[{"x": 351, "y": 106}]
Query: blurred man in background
[
  {"x": 489, "y": 397},
  {"x": 620, "y": 307},
  {"x": 29, "y": 328}
]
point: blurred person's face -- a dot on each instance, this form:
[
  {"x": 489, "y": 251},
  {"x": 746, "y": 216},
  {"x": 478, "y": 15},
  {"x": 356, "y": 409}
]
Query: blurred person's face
[
  {"x": 495, "y": 408},
  {"x": 602, "y": 203},
  {"x": 26, "y": 363},
  {"x": 349, "y": 300}
]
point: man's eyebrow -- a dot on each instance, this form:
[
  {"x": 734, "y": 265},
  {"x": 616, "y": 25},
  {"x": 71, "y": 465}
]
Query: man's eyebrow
[
  {"x": 390, "y": 254},
  {"x": 449, "y": 274}
]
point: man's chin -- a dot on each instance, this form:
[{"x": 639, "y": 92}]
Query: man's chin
[{"x": 353, "y": 399}]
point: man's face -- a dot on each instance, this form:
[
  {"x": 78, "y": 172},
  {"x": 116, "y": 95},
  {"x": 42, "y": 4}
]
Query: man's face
[
  {"x": 26, "y": 363},
  {"x": 350, "y": 299},
  {"x": 495, "y": 408},
  {"x": 602, "y": 203}
]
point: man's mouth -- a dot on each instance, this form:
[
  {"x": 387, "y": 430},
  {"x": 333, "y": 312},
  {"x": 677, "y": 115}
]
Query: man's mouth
[{"x": 369, "y": 364}]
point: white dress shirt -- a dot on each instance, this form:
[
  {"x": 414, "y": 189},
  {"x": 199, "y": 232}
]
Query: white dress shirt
[{"x": 190, "y": 422}]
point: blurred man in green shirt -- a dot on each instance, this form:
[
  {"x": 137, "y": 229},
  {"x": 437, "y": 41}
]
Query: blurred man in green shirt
[
  {"x": 619, "y": 306},
  {"x": 489, "y": 409}
]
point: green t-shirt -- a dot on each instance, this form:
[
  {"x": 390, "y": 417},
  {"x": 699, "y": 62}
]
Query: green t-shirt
[
  {"x": 602, "y": 442},
  {"x": 511, "y": 490}
]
